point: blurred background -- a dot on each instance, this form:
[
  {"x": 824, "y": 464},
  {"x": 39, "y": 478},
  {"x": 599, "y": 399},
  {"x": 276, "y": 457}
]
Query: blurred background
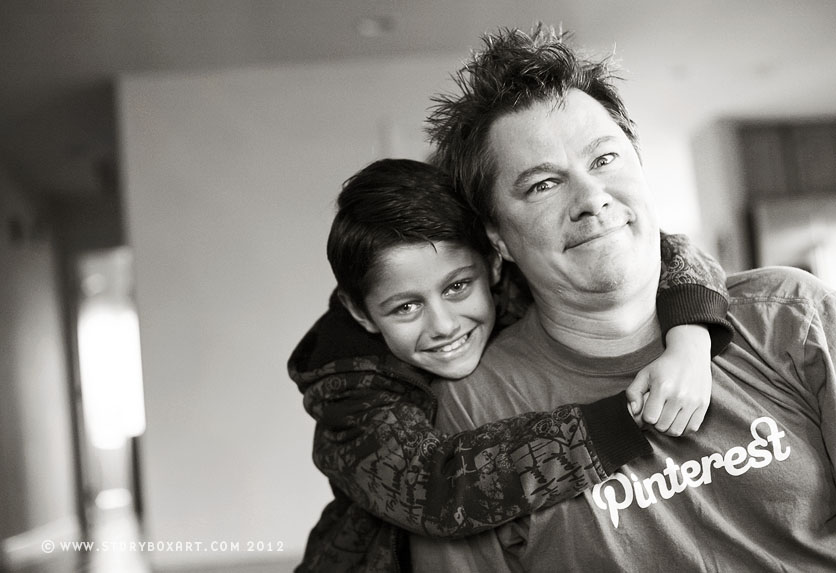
[{"x": 167, "y": 178}]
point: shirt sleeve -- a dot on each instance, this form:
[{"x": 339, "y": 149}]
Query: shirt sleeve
[
  {"x": 375, "y": 442},
  {"x": 483, "y": 552},
  {"x": 692, "y": 290},
  {"x": 818, "y": 370}
]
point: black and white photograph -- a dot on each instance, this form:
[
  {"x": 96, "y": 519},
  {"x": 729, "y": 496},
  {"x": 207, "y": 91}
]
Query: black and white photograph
[{"x": 372, "y": 286}]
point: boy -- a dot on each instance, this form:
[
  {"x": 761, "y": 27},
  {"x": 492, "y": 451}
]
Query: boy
[{"x": 414, "y": 271}]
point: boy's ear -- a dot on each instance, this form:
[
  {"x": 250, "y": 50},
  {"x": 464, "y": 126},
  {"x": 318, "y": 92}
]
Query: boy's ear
[
  {"x": 357, "y": 313},
  {"x": 495, "y": 267},
  {"x": 497, "y": 242}
]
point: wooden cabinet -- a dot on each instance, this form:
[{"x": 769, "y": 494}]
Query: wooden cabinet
[
  {"x": 764, "y": 161},
  {"x": 814, "y": 157},
  {"x": 789, "y": 173},
  {"x": 789, "y": 159}
]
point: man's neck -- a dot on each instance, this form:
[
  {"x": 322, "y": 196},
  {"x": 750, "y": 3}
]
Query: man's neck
[{"x": 611, "y": 329}]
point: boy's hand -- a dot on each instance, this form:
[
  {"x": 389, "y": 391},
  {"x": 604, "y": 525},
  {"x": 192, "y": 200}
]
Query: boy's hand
[{"x": 672, "y": 393}]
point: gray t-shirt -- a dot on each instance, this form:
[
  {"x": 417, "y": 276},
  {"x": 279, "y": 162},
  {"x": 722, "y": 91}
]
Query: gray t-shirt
[{"x": 753, "y": 490}]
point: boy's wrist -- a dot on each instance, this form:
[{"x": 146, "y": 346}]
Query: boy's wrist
[
  {"x": 689, "y": 336},
  {"x": 614, "y": 433}
]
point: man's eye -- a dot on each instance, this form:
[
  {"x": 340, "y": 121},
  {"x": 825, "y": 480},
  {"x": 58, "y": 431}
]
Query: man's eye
[
  {"x": 542, "y": 186},
  {"x": 605, "y": 159}
]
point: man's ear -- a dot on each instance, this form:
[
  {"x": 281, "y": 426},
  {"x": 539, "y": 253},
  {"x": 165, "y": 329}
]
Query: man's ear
[
  {"x": 358, "y": 313},
  {"x": 497, "y": 242},
  {"x": 495, "y": 267}
]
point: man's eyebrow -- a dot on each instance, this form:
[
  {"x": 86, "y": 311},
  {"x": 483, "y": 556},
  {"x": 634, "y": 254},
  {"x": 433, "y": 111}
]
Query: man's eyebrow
[
  {"x": 552, "y": 168},
  {"x": 590, "y": 147},
  {"x": 542, "y": 167}
]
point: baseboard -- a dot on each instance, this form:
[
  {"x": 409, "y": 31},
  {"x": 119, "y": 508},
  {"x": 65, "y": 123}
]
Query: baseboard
[
  {"x": 284, "y": 565},
  {"x": 28, "y": 547}
]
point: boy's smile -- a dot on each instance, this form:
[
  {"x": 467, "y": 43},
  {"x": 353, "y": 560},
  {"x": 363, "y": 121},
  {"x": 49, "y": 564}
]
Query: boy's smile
[{"x": 432, "y": 304}]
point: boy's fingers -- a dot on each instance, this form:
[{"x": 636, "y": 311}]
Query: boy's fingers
[
  {"x": 635, "y": 409},
  {"x": 653, "y": 408},
  {"x": 636, "y": 392},
  {"x": 668, "y": 417},
  {"x": 697, "y": 419},
  {"x": 680, "y": 423},
  {"x": 637, "y": 405}
]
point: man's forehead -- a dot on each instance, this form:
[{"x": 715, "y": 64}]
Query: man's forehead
[
  {"x": 576, "y": 120},
  {"x": 575, "y": 108}
]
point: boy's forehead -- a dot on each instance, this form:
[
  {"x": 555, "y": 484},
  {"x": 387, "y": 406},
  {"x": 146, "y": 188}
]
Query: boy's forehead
[
  {"x": 398, "y": 257},
  {"x": 421, "y": 263}
]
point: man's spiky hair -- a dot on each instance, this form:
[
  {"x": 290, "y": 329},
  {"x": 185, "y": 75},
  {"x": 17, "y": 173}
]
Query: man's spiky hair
[{"x": 511, "y": 72}]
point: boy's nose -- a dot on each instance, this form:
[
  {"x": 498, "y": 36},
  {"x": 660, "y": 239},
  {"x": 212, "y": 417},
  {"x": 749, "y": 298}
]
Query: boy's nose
[{"x": 443, "y": 321}]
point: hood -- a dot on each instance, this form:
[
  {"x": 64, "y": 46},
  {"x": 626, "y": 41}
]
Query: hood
[{"x": 334, "y": 339}]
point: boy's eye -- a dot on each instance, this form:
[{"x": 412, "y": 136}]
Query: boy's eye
[
  {"x": 457, "y": 287},
  {"x": 605, "y": 159},
  {"x": 406, "y": 308}
]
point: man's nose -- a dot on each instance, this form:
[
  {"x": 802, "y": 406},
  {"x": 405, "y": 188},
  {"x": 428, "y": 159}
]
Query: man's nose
[
  {"x": 443, "y": 320},
  {"x": 590, "y": 197}
]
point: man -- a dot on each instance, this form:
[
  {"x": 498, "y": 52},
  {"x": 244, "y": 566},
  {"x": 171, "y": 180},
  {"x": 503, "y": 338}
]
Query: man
[{"x": 544, "y": 149}]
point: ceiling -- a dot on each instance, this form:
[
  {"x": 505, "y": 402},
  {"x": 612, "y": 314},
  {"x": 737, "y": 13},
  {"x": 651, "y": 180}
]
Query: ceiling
[{"x": 58, "y": 59}]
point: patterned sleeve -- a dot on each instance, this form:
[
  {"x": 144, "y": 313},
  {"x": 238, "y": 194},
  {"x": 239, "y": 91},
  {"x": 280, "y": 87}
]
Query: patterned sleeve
[
  {"x": 692, "y": 290},
  {"x": 375, "y": 442}
]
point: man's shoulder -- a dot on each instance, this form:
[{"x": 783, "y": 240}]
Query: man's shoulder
[
  {"x": 776, "y": 284},
  {"x": 498, "y": 362},
  {"x": 500, "y": 386},
  {"x": 510, "y": 344}
]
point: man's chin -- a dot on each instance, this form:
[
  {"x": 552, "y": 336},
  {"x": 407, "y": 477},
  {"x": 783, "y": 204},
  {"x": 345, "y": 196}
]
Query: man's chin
[
  {"x": 604, "y": 273},
  {"x": 607, "y": 284},
  {"x": 608, "y": 278}
]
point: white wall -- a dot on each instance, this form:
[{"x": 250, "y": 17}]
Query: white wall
[
  {"x": 230, "y": 181},
  {"x": 722, "y": 195},
  {"x": 36, "y": 472}
]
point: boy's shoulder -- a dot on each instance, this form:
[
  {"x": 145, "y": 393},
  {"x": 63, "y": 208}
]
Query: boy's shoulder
[
  {"x": 335, "y": 336},
  {"x": 337, "y": 344}
]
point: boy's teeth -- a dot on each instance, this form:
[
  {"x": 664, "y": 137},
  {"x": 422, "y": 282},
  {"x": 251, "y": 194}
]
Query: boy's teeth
[{"x": 453, "y": 345}]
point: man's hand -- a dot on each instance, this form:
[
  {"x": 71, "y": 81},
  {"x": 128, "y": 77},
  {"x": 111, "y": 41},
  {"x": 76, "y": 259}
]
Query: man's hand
[{"x": 672, "y": 393}]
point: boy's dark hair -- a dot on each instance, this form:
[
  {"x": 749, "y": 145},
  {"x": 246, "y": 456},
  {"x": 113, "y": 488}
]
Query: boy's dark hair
[
  {"x": 390, "y": 203},
  {"x": 513, "y": 71}
]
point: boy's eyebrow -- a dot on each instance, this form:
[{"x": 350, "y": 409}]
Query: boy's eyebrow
[
  {"x": 398, "y": 295},
  {"x": 451, "y": 275},
  {"x": 409, "y": 294}
]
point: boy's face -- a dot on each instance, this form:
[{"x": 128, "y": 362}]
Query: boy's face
[{"x": 433, "y": 306}]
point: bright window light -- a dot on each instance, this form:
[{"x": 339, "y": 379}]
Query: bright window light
[
  {"x": 111, "y": 372},
  {"x": 823, "y": 261}
]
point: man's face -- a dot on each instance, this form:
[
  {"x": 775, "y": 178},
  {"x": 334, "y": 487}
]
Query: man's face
[{"x": 573, "y": 205}]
